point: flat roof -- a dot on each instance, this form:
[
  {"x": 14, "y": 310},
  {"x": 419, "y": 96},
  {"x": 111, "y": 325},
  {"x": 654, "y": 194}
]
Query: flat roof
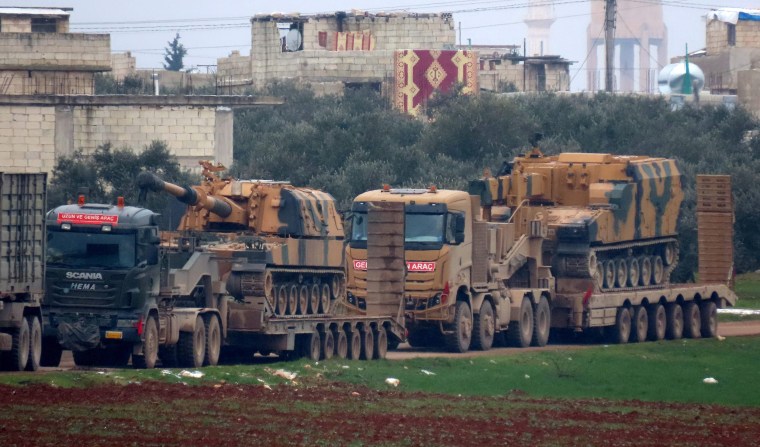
[{"x": 34, "y": 11}]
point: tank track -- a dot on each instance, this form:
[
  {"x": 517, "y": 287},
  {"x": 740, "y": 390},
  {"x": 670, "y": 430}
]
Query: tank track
[
  {"x": 580, "y": 266},
  {"x": 296, "y": 307}
]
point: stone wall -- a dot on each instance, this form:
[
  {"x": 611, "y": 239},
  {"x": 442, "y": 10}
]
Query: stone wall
[
  {"x": 747, "y": 35},
  {"x": 28, "y": 135},
  {"x": 51, "y": 51},
  {"x": 47, "y": 82},
  {"x": 122, "y": 64},
  {"x": 234, "y": 69}
]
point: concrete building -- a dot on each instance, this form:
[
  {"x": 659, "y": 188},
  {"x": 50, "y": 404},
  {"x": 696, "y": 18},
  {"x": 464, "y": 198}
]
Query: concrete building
[
  {"x": 539, "y": 20},
  {"x": 503, "y": 68},
  {"x": 639, "y": 26},
  {"x": 39, "y": 56}
]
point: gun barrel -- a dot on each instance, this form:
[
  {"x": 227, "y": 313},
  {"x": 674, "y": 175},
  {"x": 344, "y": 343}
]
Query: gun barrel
[{"x": 185, "y": 194}]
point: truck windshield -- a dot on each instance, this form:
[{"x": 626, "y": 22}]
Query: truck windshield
[
  {"x": 102, "y": 250},
  {"x": 418, "y": 228}
]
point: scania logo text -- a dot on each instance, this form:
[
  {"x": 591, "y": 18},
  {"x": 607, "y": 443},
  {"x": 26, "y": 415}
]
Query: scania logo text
[{"x": 84, "y": 275}]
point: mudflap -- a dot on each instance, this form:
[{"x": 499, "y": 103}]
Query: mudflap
[{"x": 80, "y": 335}]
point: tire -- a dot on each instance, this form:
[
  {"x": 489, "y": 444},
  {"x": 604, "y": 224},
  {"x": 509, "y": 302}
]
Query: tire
[
  {"x": 324, "y": 299},
  {"x": 658, "y": 271},
  {"x": 459, "y": 338},
  {"x": 609, "y": 274},
  {"x": 282, "y": 300},
  {"x": 191, "y": 347},
  {"x": 213, "y": 340},
  {"x": 168, "y": 356},
  {"x": 520, "y": 331},
  {"x": 639, "y": 324},
  {"x": 303, "y": 300},
  {"x": 483, "y": 327},
  {"x": 709, "y": 315},
  {"x": 381, "y": 343},
  {"x": 645, "y": 267},
  {"x": 35, "y": 343},
  {"x": 368, "y": 343},
  {"x": 621, "y": 273},
  {"x": 393, "y": 343},
  {"x": 658, "y": 322},
  {"x": 18, "y": 356},
  {"x": 328, "y": 345},
  {"x": 354, "y": 344},
  {"x": 341, "y": 344},
  {"x": 293, "y": 300},
  {"x": 149, "y": 355},
  {"x": 621, "y": 331},
  {"x": 314, "y": 293},
  {"x": 312, "y": 346},
  {"x": 51, "y": 352},
  {"x": 634, "y": 272},
  {"x": 541, "y": 322},
  {"x": 674, "y": 314},
  {"x": 692, "y": 320}
]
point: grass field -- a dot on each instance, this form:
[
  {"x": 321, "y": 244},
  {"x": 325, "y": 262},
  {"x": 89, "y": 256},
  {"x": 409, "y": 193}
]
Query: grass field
[{"x": 670, "y": 371}]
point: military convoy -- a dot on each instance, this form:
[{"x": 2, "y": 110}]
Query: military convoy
[
  {"x": 574, "y": 241},
  {"x": 254, "y": 266}
]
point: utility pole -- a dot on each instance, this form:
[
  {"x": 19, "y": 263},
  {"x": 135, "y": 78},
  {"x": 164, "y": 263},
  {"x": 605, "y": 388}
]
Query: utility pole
[{"x": 609, "y": 42}]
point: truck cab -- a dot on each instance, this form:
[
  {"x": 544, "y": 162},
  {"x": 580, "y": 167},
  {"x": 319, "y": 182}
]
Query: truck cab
[{"x": 102, "y": 280}]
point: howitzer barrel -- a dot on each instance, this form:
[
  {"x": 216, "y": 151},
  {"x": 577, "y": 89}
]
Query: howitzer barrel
[{"x": 185, "y": 194}]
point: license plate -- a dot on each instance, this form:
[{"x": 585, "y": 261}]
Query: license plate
[{"x": 114, "y": 335}]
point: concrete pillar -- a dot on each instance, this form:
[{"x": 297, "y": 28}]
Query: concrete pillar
[
  {"x": 64, "y": 132},
  {"x": 223, "y": 136},
  {"x": 644, "y": 64},
  {"x": 593, "y": 72},
  {"x": 626, "y": 66}
]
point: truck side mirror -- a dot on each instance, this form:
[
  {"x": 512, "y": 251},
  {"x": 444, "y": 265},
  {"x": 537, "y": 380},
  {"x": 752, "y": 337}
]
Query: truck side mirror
[{"x": 459, "y": 224}]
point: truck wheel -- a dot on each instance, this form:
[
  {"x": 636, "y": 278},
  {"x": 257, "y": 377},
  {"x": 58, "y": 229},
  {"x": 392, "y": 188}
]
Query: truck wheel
[
  {"x": 674, "y": 314},
  {"x": 18, "y": 357},
  {"x": 541, "y": 322},
  {"x": 354, "y": 344},
  {"x": 692, "y": 321},
  {"x": 328, "y": 345},
  {"x": 640, "y": 324},
  {"x": 657, "y": 322},
  {"x": 519, "y": 332},
  {"x": 621, "y": 331},
  {"x": 149, "y": 355},
  {"x": 381, "y": 343},
  {"x": 213, "y": 340},
  {"x": 368, "y": 343},
  {"x": 51, "y": 352},
  {"x": 191, "y": 347},
  {"x": 458, "y": 340},
  {"x": 709, "y": 315},
  {"x": 311, "y": 346},
  {"x": 341, "y": 344},
  {"x": 35, "y": 344},
  {"x": 393, "y": 343},
  {"x": 483, "y": 327}
]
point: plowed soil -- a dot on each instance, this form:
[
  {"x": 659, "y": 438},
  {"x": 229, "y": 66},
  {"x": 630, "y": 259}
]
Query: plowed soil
[{"x": 324, "y": 413}]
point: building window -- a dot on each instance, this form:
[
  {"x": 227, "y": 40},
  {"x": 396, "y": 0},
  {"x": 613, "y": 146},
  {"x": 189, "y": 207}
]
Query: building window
[
  {"x": 731, "y": 34},
  {"x": 43, "y": 25}
]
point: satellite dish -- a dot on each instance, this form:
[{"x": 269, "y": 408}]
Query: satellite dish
[
  {"x": 671, "y": 78},
  {"x": 293, "y": 40}
]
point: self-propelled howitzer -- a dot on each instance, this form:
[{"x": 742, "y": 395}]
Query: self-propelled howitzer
[{"x": 284, "y": 242}]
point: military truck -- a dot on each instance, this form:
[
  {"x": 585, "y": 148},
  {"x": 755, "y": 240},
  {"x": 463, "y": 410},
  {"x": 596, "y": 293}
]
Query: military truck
[
  {"x": 254, "y": 266},
  {"x": 22, "y": 269},
  {"x": 573, "y": 241}
]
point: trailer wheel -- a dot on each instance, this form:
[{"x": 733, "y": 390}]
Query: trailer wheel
[
  {"x": 311, "y": 346},
  {"x": 381, "y": 343},
  {"x": 368, "y": 343},
  {"x": 191, "y": 347},
  {"x": 18, "y": 356},
  {"x": 519, "y": 332},
  {"x": 213, "y": 340},
  {"x": 393, "y": 342},
  {"x": 657, "y": 322},
  {"x": 354, "y": 344},
  {"x": 674, "y": 313},
  {"x": 709, "y": 316},
  {"x": 35, "y": 344},
  {"x": 640, "y": 325},
  {"x": 147, "y": 360},
  {"x": 51, "y": 352},
  {"x": 692, "y": 321},
  {"x": 460, "y": 336},
  {"x": 341, "y": 344},
  {"x": 483, "y": 328},
  {"x": 621, "y": 331},
  {"x": 328, "y": 345},
  {"x": 541, "y": 322}
]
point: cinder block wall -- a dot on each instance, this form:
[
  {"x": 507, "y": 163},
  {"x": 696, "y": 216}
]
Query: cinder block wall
[
  {"x": 747, "y": 35},
  {"x": 62, "y": 51},
  {"x": 28, "y": 136}
]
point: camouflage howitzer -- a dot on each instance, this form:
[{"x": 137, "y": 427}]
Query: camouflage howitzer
[
  {"x": 285, "y": 243},
  {"x": 610, "y": 218}
]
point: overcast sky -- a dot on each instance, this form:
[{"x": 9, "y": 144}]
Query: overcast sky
[{"x": 211, "y": 29}]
